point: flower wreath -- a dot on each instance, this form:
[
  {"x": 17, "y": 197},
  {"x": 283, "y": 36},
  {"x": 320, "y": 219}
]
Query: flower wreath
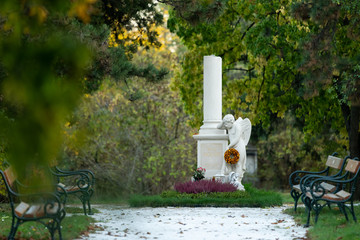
[{"x": 231, "y": 156}]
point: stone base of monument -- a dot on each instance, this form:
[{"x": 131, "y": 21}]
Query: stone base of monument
[{"x": 211, "y": 148}]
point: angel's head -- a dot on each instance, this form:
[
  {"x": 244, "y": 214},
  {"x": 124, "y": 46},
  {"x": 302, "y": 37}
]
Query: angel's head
[{"x": 228, "y": 121}]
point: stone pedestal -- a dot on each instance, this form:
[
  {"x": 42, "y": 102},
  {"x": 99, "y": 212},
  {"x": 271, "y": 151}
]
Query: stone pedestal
[
  {"x": 211, "y": 141},
  {"x": 210, "y": 153}
]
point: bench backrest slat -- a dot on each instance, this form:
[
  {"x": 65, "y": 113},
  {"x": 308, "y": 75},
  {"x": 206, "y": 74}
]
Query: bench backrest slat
[
  {"x": 10, "y": 176},
  {"x": 352, "y": 166},
  {"x": 334, "y": 162}
]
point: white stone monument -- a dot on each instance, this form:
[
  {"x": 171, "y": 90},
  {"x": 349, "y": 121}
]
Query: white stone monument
[{"x": 211, "y": 141}]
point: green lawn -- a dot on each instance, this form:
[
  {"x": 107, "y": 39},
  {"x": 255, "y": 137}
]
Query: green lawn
[
  {"x": 250, "y": 198},
  {"x": 331, "y": 224},
  {"x": 72, "y": 226}
]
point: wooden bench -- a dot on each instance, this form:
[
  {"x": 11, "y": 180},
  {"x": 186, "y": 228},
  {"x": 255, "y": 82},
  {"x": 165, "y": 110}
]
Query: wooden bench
[
  {"x": 316, "y": 196},
  {"x": 299, "y": 180},
  {"x": 47, "y": 208},
  {"x": 79, "y": 183}
]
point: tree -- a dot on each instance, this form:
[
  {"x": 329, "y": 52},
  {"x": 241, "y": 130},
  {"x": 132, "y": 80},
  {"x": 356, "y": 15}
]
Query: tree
[
  {"x": 332, "y": 57},
  {"x": 267, "y": 48},
  {"x": 133, "y": 133},
  {"x": 41, "y": 68},
  {"x": 45, "y": 65},
  {"x": 130, "y": 25}
]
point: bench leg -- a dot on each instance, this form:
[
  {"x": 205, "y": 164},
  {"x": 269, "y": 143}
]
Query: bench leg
[
  {"x": 14, "y": 227},
  {"x": 317, "y": 208},
  {"x": 295, "y": 195},
  {"x": 91, "y": 192},
  {"x": 89, "y": 207},
  {"x": 307, "y": 203},
  {"x": 307, "y": 224},
  {"x": 85, "y": 200},
  {"x": 53, "y": 227},
  {"x": 343, "y": 210},
  {"x": 59, "y": 229},
  {"x": 353, "y": 212}
]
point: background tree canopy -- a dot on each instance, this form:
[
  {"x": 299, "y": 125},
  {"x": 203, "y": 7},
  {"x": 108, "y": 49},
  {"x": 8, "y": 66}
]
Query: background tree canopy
[
  {"x": 279, "y": 57},
  {"x": 285, "y": 63},
  {"x": 55, "y": 56},
  {"x": 53, "y": 52}
]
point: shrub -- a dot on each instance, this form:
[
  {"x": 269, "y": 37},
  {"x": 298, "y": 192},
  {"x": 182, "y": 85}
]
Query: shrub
[
  {"x": 206, "y": 186},
  {"x": 224, "y": 195}
]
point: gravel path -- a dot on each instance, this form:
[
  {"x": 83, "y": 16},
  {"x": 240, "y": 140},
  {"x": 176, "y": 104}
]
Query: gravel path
[{"x": 120, "y": 222}]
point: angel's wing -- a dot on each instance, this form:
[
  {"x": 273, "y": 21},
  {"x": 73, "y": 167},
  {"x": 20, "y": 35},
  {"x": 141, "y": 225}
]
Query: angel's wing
[{"x": 245, "y": 126}]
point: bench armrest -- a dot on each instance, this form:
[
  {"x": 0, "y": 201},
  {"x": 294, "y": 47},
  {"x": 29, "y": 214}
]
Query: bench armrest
[
  {"x": 297, "y": 176},
  {"x": 84, "y": 176},
  {"x": 75, "y": 181},
  {"x": 307, "y": 180}
]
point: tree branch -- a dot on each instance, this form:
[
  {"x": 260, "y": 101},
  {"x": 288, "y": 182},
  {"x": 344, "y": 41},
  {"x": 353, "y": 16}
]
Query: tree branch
[
  {"x": 240, "y": 69},
  {"x": 251, "y": 25},
  {"x": 259, "y": 92}
]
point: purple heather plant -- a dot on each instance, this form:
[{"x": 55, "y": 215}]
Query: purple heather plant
[{"x": 206, "y": 186}]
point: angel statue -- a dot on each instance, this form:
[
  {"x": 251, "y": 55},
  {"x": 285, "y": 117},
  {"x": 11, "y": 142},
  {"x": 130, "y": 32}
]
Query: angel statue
[{"x": 239, "y": 132}]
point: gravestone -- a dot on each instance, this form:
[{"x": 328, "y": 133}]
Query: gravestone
[{"x": 211, "y": 141}]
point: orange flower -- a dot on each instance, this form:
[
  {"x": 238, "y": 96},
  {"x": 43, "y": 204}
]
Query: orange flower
[{"x": 231, "y": 156}]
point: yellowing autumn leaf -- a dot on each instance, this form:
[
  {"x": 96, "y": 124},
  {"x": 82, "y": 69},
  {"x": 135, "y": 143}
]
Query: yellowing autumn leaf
[{"x": 82, "y": 9}]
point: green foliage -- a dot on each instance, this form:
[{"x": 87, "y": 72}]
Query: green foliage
[
  {"x": 280, "y": 58},
  {"x": 139, "y": 146},
  {"x": 111, "y": 58},
  {"x": 42, "y": 66},
  {"x": 132, "y": 134},
  {"x": 45, "y": 66},
  {"x": 285, "y": 150},
  {"x": 260, "y": 61},
  {"x": 250, "y": 198},
  {"x": 175, "y": 194},
  {"x": 132, "y": 15},
  {"x": 196, "y": 11},
  {"x": 255, "y": 41},
  {"x": 331, "y": 224}
]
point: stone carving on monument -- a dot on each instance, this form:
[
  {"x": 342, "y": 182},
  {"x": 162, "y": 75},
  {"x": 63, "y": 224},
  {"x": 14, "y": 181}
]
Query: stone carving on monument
[{"x": 239, "y": 132}]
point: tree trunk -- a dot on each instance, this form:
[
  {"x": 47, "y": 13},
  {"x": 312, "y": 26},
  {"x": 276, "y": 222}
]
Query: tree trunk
[{"x": 354, "y": 134}]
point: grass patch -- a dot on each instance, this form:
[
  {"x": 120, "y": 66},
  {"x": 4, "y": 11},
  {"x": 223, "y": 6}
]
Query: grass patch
[
  {"x": 107, "y": 198},
  {"x": 250, "y": 198},
  {"x": 72, "y": 226},
  {"x": 287, "y": 197},
  {"x": 330, "y": 225},
  {"x": 79, "y": 209}
]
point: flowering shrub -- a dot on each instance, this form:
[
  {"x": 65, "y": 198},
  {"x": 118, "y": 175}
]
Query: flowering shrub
[
  {"x": 206, "y": 186},
  {"x": 199, "y": 173}
]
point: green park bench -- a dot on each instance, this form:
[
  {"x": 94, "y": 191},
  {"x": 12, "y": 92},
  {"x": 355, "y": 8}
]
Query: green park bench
[
  {"x": 79, "y": 183},
  {"x": 47, "y": 208},
  {"x": 316, "y": 196},
  {"x": 301, "y": 179}
]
